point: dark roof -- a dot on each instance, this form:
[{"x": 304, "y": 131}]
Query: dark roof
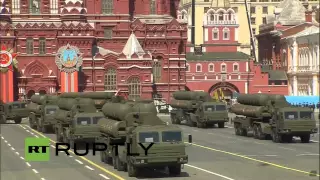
[
  {"x": 218, "y": 56},
  {"x": 275, "y": 75}
]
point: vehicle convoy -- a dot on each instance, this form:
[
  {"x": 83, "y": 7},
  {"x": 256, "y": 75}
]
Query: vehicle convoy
[
  {"x": 76, "y": 120},
  {"x": 42, "y": 109},
  {"x": 272, "y": 116},
  {"x": 125, "y": 126},
  {"x": 198, "y": 109},
  {"x": 13, "y": 111}
]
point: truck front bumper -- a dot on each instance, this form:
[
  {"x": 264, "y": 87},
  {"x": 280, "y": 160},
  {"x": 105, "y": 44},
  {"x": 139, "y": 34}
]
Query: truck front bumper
[
  {"x": 159, "y": 161},
  {"x": 297, "y": 133}
]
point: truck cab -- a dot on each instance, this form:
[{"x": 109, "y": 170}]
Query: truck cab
[
  {"x": 48, "y": 120},
  {"x": 214, "y": 113},
  {"x": 294, "y": 121},
  {"x": 15, "y": 111},
  {"x": 168, "y": 149},
  {"x": 84, "y": 128}
]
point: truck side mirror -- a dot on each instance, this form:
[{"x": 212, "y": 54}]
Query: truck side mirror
[{"x": 189, "y": 138}]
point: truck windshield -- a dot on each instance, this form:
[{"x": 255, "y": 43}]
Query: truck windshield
[
  {"x": 84, "y": 120},
  {"x": 51, "y": 110},
  {"x": 171, "y": 136},
  {"x": 96, "y": 119},
  {"x": 23, "y": 105},
  {"x": 148, "y": 137},
  {"x": 209, "y": 108},
  {"x": 15, "y": 106},
  {"x": 291, "y": 115},
  {"x": 306, "y": 114},
  {"x": 220, "y": 107}
]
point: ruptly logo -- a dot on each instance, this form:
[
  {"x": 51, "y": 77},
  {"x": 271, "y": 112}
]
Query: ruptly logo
[
  {"x": 37, "y": 149},
  {"x": 69, "y": 58},
  {"x": 7, "y": 59}
]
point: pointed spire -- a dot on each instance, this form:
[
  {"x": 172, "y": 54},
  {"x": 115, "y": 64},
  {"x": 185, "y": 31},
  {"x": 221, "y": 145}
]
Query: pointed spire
[{"x": 132, "y": 46}]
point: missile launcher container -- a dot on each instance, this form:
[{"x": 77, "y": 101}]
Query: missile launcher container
[
  {"x": 271, "y": 116},
  {"x": 197, "y": 109},
  {"x": 42, "y": 109},
  {"x": 128, "y": 125},
  {"x": 77, "y": 119}
]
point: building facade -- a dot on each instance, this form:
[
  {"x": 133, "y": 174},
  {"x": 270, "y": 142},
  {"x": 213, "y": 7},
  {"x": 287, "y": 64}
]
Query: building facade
[
  {"x": 36, "y": 30},
  {"x": 300, "y": 53}
]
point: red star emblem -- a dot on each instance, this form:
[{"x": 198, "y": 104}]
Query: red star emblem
[{"x": 5, "y": 57}]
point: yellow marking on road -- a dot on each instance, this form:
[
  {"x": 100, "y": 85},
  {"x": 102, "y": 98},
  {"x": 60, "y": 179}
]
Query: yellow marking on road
[
  {"x": 256, "y": 160},
  {"x": 85, "y": 159}
]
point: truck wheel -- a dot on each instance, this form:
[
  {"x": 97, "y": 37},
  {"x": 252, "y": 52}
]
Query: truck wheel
[
  {"x": 276, "y": 137},
  {"x": 260, "y": 134},
  {"x": 44, "y": 129},
  {"x": 175, "y": 170},
  {"x": 236, "y": 129},
  {"x": 255, "y": 131},
  {"x": 72, "y": 144},
  {"x": 102, "y": 156},
  {"x": 120, "y": 166},
  {"x": 3, "y": 119},
  {"x": 18, "y": 121},
  {"x": 173, "y": 119},
  {"x": 243, "y": 132},
  {"x": 221, "y": 125},
  {"x": 114, "y": 162},
  {"x": 132, "y": 171},
  {"x": 39, "y": 128},
  {"x": 200, "y": 125},
  {"x": 305, "y": 138}
]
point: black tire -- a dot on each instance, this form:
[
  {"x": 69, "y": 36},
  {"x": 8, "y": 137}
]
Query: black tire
[
  {"x": 260, "y": 134},
  {"x": 103, "y": 157},
  {"x": 120, "y": 166},
  {"x": 221, "y": 125},
  {"x": 200, "y": 125},
  {"x": 132, "y": 171},
  {"x": 173, "y": 119},
  {"x": 72, "y": 144},
  {"x": 276, "y": 137},
  {"x": 175, "y": 170},
  {"x": 236, "y": 129},
  {"x": 44, "y": 129},
  {"x": 243, "y": 132},
  {"x": 305, "y": 138},
  {"x": 18, "y": 121},
  {"x": 255, "y": 131},
  {"x": 3, "y": 119}
]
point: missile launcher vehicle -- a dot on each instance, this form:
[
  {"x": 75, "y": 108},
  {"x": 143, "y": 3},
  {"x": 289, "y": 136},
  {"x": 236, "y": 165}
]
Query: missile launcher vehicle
[
  {"x": 77, "y": 119},
  {"x": 42, "y": 110},
  {"x": 197, "y": 109},
  {"x": 13, "y": 111},
  {"x": 271, "y": 116},
  {"x": 128, "y": 127}
]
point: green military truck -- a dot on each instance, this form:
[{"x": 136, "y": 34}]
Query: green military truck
[
  {"x": 42, "y": 110},
  {"x": 76, "y": 120},
  {"x": 13, "y": 111},
  {"x": 272, "y": 116},
  {"x": 198, "y": 109},
  {"x": 126, "y": 126}
]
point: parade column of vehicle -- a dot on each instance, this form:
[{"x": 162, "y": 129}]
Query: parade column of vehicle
[
  {"x": 129, "y": 125},
  {"x": 198, "y": 109},
  {"x": 42, "y": 109},
  {"x": 272, "y": 116},
  {"x": 13, "y": 111},
  {"x": 77, "y": 118}
]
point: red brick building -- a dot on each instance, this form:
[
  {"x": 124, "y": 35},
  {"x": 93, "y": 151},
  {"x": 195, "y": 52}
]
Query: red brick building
[{"x": 37, "y": 29}]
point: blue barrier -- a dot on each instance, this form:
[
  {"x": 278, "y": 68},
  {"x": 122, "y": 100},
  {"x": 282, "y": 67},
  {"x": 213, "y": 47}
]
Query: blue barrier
[{"x": 303, "y": 99}]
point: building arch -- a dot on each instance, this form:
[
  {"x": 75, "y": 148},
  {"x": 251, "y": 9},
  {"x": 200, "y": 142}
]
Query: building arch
[
  {"x": 230, "y": 10},
  {"x": 220, "y": 10},
  {"x": 134, "y": 88},
  {"x": 228, "y": 89},
  {"x": 110, "y": 79},
  {"x": 37, "y": 67},
  {"x": 42, "y": 92},
  {"x": 30, "y": 93},
  {"x": 211, "y": 11}
]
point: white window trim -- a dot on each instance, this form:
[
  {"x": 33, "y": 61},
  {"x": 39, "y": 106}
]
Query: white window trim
[
  {"x": 235, "y": 64},
  {"x": 188, "y": 65},
  {"x": 223, "y": 64},
  {"x": 197, "y": 67},
  {"x": 226, "y": 30},
  {"x": 211, "y": 64},
  {"x": 215, "y": 30}
]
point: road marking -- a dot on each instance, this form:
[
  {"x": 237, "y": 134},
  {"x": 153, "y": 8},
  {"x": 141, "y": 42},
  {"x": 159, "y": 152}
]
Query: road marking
[
  {"x": 24, "y": 128},
  {"x": 195, "y": 130},
  {"x": 52, "y": 146},
  {"x": 36, "y": 136},
  {"x": 88, "y": 167},
  {"x": 70, "y": 156},
  {"x": 5, "y": 141},
  {"x": 9, "y": 144},
  {"x": 261, "y": 155},
  {"x": 17, "y": 153},
  {"x": 28, "y": 131},
  {"x": 83, "y": 158},
  {"x": 2, "y": 137},
  {"x": 256, "y": 160},
  {"x": 104, "y": 176},
  {"x": 210, "y": 172},
  {"x": 28, "y": 164},
  {"x": 21, "y": 157},
  {"x": 35, "y": 171},
  {"x": 314, "y": 141},
  {"x": 13, "y": 149},
  {"x": 42, "y": 179},
  {"x": 308, "y": 155},
  {"x": 78, "y": 161},
  {"x": 32, "y": 133}
]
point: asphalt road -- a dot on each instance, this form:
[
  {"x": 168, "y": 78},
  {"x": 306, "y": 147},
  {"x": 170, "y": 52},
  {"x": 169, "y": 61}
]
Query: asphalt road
[{"x": 216, "y": 154}]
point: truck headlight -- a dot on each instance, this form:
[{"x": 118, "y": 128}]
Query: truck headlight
[{"x": 315, "y": 130}]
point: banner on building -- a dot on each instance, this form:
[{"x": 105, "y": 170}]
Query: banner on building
[{"x": 69, "y": 58}]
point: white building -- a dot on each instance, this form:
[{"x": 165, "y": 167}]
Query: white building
[{"x": 303, "y": 62}]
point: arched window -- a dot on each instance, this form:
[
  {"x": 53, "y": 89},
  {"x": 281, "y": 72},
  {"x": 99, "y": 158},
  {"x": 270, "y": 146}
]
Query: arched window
[
  {"x": 187, "y": 68},
  {"x": 230, "y": 16},
  {"x": 156, "y": 69},
  {"x": 235, "y": 67},
  {"x": 134, "y": 87},
  {"x": 184, "y": 15},
  {"x": 221, "y": 16},
  {"x": 226, "y": 34},
  {"x": 107, "y": 6},
  {"x": 152, "y": 6},
  {"x": 223, "y": 67},
  {"x": 211, "y": 16},
  {"x": 110, "y": 79},
  {"x": 34, "y": 6},
  {"x": 215, "y": 34},
  {"x": 211, "y": 67},
  {"x": 198, "y": 68}
]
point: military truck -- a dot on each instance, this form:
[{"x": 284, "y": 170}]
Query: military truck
[
  {"x": 271, "y": 116},
  {"x": 125, "y": 126},
  {"x": 42, "y": 109},
  {"x": 77, "y": 120},
  {"x": 13, "y": 111},
  {"x": 198, "y": 109}
]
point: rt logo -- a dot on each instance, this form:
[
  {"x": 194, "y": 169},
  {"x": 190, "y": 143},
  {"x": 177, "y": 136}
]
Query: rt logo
[{"x": 37, "y": 149}]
